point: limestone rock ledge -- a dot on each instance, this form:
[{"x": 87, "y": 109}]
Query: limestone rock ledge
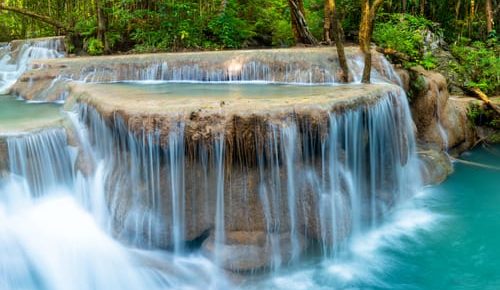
[
  {"x": 239, "y": 120},
  {"x": 210, "y": 116},
  {"x": 47, "y": 79}
]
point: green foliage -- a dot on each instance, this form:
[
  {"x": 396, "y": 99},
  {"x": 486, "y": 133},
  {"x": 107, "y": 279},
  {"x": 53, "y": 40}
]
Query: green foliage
[
  {"x": 477, "y": 65},
  {"x": 494, "y": 138},
  {"x": 86, "y": 27},
  {"x": 418, "y": 84},
  {"x": 405, "y": 34},
  {"x": 428, "y": 61},
  {"x": 95, "y": 47},
  {"x": 480, "y": 115},
  {"x": 229, "y": 30},
  {"x": 193, "y": 24},
  {"x": 272, "y": 22}
]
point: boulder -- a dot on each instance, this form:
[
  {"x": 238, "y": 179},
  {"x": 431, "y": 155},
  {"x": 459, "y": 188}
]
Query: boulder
[
  {"x": 429, "y": 95},
  {"x": 252, "y": 251},
  {"x": 440, "y": 119},
  {"x": 461, "y": 132},
  {"x": 435, "y": 164}
]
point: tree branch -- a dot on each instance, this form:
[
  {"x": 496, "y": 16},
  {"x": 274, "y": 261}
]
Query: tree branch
[{"x": 39, "y": 17}]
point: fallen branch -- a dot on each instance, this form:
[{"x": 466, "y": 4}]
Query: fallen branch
[
  {"x": 476, "y": 164},
  {"x": 476, "y": 92},
  {"x": 394, "y": 54}
]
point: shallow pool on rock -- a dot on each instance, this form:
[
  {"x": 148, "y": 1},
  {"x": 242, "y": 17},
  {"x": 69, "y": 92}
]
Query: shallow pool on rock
[{"x": 17, "y": 116}]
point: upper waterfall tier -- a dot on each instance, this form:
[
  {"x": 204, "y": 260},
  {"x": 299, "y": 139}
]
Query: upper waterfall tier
[
  {"x": 298, "y": 66},
  {"x": 15, "y": 58},
  {"x": 212, "y": 109}
]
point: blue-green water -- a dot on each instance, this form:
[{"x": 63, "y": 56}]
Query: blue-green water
[
  {"x": 462, "y": 251},
  {"x": 17, "y": 115},
  {"x": 446, "y": 238}
]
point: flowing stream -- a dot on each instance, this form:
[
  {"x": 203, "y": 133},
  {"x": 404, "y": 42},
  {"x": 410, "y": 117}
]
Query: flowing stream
[{"x": 86, "y": 202}]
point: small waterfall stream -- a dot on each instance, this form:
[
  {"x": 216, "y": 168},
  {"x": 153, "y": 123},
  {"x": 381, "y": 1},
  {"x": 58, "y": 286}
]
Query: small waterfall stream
[
  {"x": 14, "y": 62},
  {"x": 170, "y": 211}
]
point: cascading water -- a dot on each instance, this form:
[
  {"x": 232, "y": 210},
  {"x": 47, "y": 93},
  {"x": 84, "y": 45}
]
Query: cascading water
[
  {"x": 324, "y": 183},
  {"x": 44, "y": 224},
  {"x": 39, "y": 159},
  {"x": 159, "y": 189},
  {"x": 13, "y": 63},
  {"x": 242, "y": 71},
  {"x": 282, "y": 66}
]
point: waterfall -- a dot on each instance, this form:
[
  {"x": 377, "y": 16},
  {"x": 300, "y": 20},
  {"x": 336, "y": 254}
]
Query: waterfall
[
  {"x": 310, "y": 66},
  {"x": 325, "y": 182},
  {"x": 155, "y": 197},
  {"x": 15, "y": 61},
  {"x": 257, "y": 67},
  {"x": 53, "y": 233},
  {"x": 39, "y": 158}
]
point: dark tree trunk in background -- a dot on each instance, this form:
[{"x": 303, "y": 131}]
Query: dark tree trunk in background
[
  {"x": 299, "y": 25},
  {"x": 489, "y": 16},
  {"x": 102, "y": 24},
  {"x": 422, "y": 7}
]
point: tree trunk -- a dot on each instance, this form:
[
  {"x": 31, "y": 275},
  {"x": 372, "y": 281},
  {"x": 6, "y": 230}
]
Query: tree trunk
[
  {"x": 36, "y": 16},
  {"x": 404, "y": 6},
  {"x": 223, "y": 5},
  {"x": 299, "y": 25},
  {"x": 489, "y": 17},
  {"x": 102, "y": 25},
  {"x": 337, "y": 35},
  {"x": 457, "y": 9},
  {"x": 368, "y": 13},
  {"x": 327, "y": 24},
  {"x": 422, "y": 7},
  {"x": 472, "y": 10}
]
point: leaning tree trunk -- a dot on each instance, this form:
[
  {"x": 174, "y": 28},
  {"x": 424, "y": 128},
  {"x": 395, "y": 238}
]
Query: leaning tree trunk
[
  {"x": 299, "y": 24},
  {"x": 364, "y": 40},
  {"x": 368, "y": 13},
  {"x": 338, "y": 36}
]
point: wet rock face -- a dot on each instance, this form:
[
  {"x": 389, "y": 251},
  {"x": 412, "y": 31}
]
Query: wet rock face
[
  {"x": 293, "y": 171},
  {"x": 462, "y": 135},
  {"x": 428, "y": 103},
  {"x": 247, "y": 251},
  {"x": 4, "y": 158},
  {"x": 439, "y": 119},
  {"x": 435, "y": 164},
  {"x": 244, "y": 202}
]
